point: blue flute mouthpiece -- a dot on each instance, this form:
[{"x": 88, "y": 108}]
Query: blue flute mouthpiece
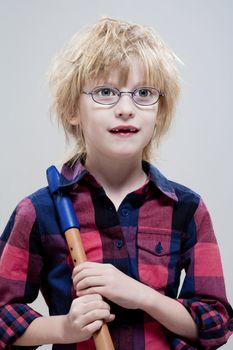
[{"x": 67, "y": 216}]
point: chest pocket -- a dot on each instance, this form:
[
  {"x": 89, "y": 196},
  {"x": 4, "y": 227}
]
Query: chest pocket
[{"x": 158, "y": 252}]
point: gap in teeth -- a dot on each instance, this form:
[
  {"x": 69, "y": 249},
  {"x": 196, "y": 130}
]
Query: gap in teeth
[{"x": 124, "y": 130}]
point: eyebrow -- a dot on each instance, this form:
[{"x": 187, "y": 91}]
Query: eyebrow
[{"x": 115, "y": 84}]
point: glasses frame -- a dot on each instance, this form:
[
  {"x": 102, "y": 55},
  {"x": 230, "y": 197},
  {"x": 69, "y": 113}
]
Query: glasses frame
[{"x": 120, "y": 93}]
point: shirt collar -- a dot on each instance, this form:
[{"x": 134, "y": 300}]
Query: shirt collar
[
  {"x": 72, "y": 175},
  {"x": 159, "y": 180}
]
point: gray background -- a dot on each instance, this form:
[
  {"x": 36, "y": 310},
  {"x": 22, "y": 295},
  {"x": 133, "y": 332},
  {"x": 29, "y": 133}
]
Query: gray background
[{"x": 196, "y": 152}]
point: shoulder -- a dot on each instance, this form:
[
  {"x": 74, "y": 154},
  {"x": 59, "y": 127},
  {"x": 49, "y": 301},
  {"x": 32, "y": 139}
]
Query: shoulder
[
  {"x": 26, "y": 217},
  {"x": 184, "y": 193},
  {"x": 33, "y": 203},
  {"x": 45, "y": 210},
  {"x": 38, "y": 208},
  {"x": 41, "y": 198},
  {"x": 174, "y": 190}
]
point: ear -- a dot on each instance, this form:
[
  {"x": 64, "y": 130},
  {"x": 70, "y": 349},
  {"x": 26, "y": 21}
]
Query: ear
[{"x": 73, "y": 119}]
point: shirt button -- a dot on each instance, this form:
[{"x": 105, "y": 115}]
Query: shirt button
[
  {"x": 119, "y": 243},
  {"x": 159, "y": 248},
  {"x": 124, "y": 212}
]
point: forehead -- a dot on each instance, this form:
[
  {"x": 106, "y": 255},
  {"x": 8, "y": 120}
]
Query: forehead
[{"x": 128, "y": 73}]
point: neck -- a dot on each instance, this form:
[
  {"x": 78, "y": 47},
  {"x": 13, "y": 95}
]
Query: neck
[{"x": 118, "y": 177}]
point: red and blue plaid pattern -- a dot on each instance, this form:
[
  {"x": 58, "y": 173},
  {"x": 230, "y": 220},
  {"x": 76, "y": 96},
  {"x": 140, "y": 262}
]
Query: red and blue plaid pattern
[
  {"x": 158, "y": 230},
  {"x": 14, "y": 317}
]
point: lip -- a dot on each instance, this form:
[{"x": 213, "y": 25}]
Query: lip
[{"x": 124, "y": 130}]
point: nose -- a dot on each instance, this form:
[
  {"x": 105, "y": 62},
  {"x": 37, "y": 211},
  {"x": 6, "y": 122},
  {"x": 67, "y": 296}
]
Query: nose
[{"x": 125, "y": 107}]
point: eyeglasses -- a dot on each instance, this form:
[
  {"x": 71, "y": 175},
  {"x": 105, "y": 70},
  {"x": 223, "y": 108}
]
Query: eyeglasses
[{"x": 143, "y": 96}]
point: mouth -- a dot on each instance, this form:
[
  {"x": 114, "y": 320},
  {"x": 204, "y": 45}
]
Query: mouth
[{"x": 124, "y": 130}]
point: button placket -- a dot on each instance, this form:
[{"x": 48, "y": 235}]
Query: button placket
[
  {"x": 119, "y": 243},
  {"x": 124, "y": 212}
]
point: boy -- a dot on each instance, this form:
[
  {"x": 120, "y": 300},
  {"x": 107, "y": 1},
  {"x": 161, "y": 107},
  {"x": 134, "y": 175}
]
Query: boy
[{"x": 115, "y": 89}]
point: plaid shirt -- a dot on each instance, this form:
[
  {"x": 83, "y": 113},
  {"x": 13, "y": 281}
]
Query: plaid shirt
[{"x": 158, "y": 230}]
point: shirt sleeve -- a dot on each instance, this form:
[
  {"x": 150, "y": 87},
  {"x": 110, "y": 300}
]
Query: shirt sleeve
[
  {"x": 20, "y": 268},
  {"x": 203, "y": 291}
]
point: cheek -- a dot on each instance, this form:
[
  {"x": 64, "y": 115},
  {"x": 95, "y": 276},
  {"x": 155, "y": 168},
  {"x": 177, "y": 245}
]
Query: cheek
[
  {"x": 150, "y": 133},
  {"x": 92, "y": 131},
  {"x": 150, "y": 129},
  {"x": 152, "y": 121}
]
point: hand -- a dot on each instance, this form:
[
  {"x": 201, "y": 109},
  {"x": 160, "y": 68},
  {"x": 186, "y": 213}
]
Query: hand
[
  {"x": 87, "y": 314},
  {"x": 111, "y": 283}
]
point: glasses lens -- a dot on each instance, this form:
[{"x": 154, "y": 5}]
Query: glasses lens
[
  {"x": 146, "y": 96},
  {"x": 105, "y": 95}
]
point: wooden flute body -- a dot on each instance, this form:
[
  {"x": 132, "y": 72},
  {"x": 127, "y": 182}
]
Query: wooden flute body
[
  {"x": 70, "y": 227},
  {"x": 102, "y": 338}
]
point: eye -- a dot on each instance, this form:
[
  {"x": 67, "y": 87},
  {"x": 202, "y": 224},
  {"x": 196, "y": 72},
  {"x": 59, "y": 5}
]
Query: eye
[
  {"x": 105, "y": 92},
  {"x": 143, "y": 92}
]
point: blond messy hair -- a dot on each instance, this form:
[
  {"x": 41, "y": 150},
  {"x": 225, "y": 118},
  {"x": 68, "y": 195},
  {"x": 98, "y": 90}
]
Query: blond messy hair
[{"x": 93, "y": 53}]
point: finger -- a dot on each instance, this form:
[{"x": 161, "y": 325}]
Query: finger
[
  {"x": 93, "y": 327},
  {"x": 90, "y": 282},
  {"x": 86, "y": 265},
  {"x": 77, "y": 276},
  {"x": 90, "y": 302},
  {"x": 90, "y": 297},
  {"x": 95, "y": 315},
  {"x": 89, "y": 291},
  {"x": 111, "y": 318},
  {"x": 95, "y": 306}
]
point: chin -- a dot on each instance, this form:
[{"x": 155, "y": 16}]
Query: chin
[{"x": 126, "y": 155}]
